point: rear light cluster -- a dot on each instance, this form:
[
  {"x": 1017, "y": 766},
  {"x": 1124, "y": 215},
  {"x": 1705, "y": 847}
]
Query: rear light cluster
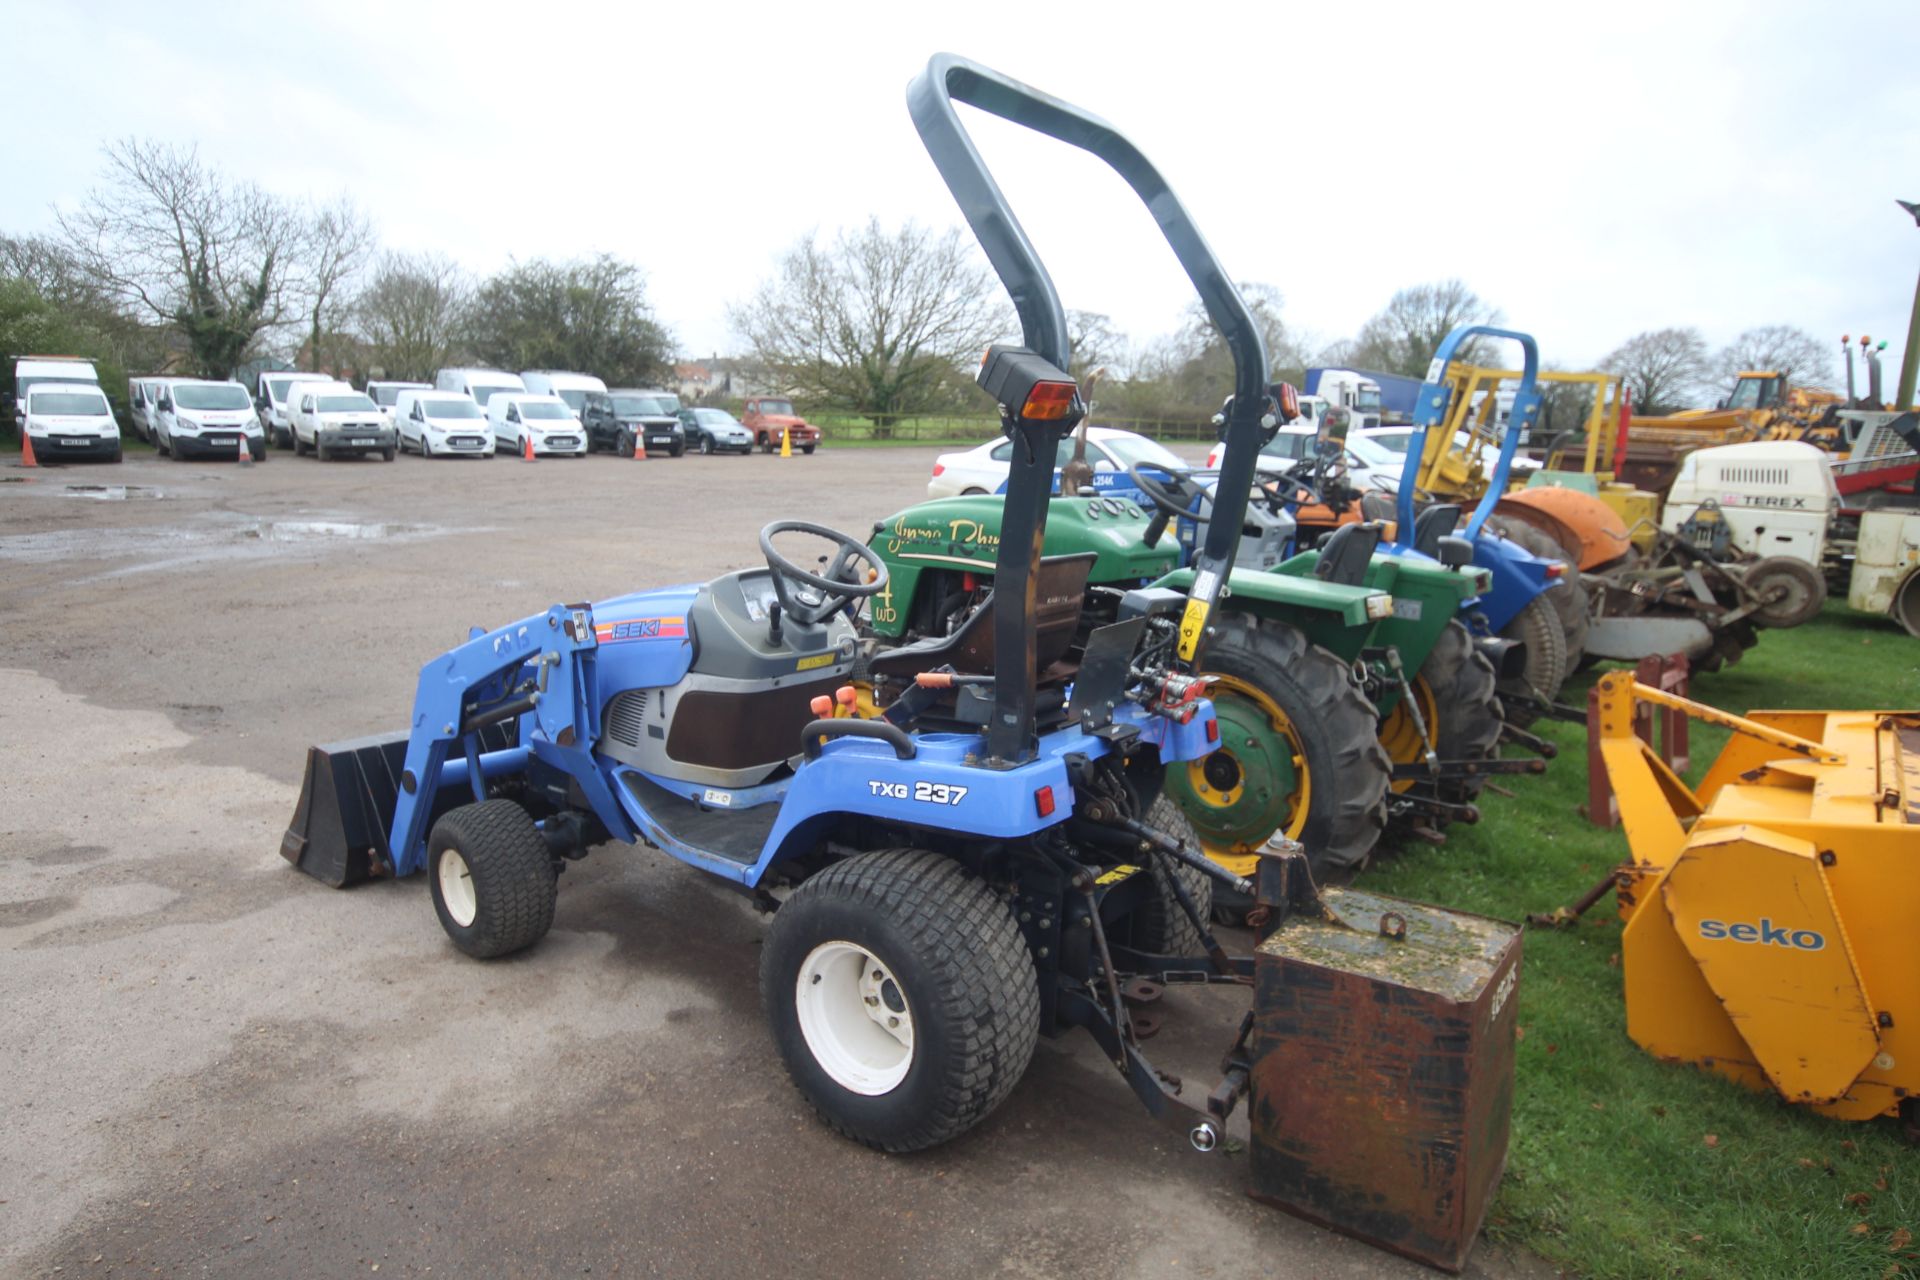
[{"x": 938, "y": 468}]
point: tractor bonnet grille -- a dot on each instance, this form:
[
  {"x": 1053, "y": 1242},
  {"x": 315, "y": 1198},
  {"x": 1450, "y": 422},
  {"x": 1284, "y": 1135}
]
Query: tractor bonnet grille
[{"x": 627, "y": 717}]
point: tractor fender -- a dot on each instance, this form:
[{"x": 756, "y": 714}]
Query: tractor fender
[
  {"x": 1581, "y": 523},
  {"x": 1250, "y": 588}
]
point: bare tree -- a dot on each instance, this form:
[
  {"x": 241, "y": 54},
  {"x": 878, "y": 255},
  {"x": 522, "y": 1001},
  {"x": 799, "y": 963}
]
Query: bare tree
[
  {"x": 175, "y": 240},
  {"x": 1094, "y": 343},
  {"x": 1776, "y": 348},
  {"x": 412, "y": 314},
  {"x": 591, "y": 315},
  {"x": 880, "y": 322},
  {"x": 1404, "y": 336},
  {"x": 338, "y": 241},
  {"x": 1662, "y": 367}
]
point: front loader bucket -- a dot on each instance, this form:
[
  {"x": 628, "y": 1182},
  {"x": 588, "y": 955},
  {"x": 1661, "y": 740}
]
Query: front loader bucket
[
  {"x": 1382, "y": 1071},
  {"x": 339, "y": 830}
]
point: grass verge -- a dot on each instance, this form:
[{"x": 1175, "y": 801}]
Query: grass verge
[{"x": 1621, "y": 1166}]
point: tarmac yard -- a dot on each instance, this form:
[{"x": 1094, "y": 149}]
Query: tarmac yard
[{"x": 215, "y": 1065}]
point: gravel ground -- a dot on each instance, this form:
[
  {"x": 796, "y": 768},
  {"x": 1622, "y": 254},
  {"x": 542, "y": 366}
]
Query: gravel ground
[{"x": 217, "y": 1066}]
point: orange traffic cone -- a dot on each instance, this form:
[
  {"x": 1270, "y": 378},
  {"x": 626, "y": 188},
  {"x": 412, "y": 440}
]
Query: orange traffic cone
[
  {"x": 639, "y": 447},
  {"x": 526, "y": 448},
  {"x": 26, "y": 451},
  {"x": 246, "y": 454}
]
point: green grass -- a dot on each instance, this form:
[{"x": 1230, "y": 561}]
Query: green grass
[{"x": 1622, "y": 1166}]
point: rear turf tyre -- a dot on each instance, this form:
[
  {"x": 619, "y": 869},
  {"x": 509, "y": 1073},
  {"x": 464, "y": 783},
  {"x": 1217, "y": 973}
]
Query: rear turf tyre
[
  {"x": 922, "y": 1052},
  {"x": 1537, "y": 630},
  {"x": 1569, "y": 599},
  {"x": 493, "y": 878},
  {"x": 1299, "y": 752},
  {"x": 1161, "y": 926},
  {"x": 1458, "y": 698}
]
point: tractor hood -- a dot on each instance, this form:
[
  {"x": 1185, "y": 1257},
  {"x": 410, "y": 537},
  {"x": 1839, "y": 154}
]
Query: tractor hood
[{"x": 964, "y": 533}]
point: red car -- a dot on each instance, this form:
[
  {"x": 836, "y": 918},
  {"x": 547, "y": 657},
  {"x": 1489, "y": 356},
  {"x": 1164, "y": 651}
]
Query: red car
[{"x": 768, "y": 416}]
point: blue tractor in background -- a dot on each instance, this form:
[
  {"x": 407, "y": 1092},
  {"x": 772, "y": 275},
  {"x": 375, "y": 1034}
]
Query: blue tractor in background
[{"x": 1528, "y": 594}]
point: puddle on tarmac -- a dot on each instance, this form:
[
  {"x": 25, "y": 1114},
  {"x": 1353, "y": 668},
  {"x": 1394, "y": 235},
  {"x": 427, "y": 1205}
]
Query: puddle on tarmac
[
  {"x": 112, "y": 492},
  {"x": 337, "y": 531},
  {"x": 214, "y": 537}
]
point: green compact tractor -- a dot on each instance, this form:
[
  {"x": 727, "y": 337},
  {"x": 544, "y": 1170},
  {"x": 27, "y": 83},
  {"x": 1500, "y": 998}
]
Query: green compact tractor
[{"x": 1349, "y": 695}]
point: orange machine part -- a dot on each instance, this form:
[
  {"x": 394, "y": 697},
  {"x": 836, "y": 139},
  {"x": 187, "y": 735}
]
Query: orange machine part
[{"x": 1577, "y": 521}]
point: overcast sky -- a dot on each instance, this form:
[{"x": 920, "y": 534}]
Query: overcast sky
[{"x": 1621, "y": 167}]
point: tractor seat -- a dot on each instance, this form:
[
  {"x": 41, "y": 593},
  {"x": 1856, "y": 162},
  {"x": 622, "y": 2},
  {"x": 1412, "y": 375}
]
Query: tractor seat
[
  {"x": 1377, "y": 506},
  {"x": 1059, "y": 592},
  {"x": 1436, "y": 522},
  {"x": 1346, "y": 553}
]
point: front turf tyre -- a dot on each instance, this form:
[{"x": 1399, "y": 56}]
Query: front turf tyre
[
  {"x": 1161, "y": 926},
  {"x": 1543, "y": 643},
  {"x": 493, "y": 878},
  {"x": 1299, "y": 752},
  {"x": 901, "y": 996}
]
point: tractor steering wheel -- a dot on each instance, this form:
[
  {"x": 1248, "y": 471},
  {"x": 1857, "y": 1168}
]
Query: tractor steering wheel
[
  {"x": 811, "y": 598},
  {"x": 1175, "y": 496}
]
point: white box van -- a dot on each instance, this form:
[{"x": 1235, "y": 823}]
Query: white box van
[
  {"x": 384, "y": 394},
  {"x": 571, "y": 387},
  {"x": 331, "y": 419},
  {"x": 442, "y": 424},
  {"x": 70, "y": 420},
  {"x": 195, "y": 418},
  {"x": 545, "y": 420},
  {"x": 28, "y": 370},
  {"x": 478, "y": 383},
  {"x": 270, "y": 398}
]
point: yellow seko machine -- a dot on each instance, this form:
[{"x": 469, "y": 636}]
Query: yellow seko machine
[{"x": 1773, "y": 911}]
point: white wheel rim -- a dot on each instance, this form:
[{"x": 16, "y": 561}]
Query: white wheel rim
[
  {"x": 855, "y": 1018},
  {"x": 456, "y": 889}
]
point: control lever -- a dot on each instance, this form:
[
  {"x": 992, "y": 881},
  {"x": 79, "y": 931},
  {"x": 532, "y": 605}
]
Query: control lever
[{"x": 773, "y": 622}]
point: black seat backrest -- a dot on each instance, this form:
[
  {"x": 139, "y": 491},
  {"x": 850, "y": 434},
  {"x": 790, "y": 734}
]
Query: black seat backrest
[
  {"x": 1059, "y": 593},
  {"x": 1436, "y": 522},
  {"x": 1346, "y": 552},
  {"x": 1375, "y": 505}
]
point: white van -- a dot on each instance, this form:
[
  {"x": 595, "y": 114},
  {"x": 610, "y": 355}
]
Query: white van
[
  {"x": 384, "y": 394},
  {"x": 478, "y": 383},
  {"x": 571, "y": 387},
  {"x": 140, "y": 408},
  {"x": 70, "y": 420},
  {"x": 442, "y": 424},
  {"x": 545, "y": 420},
  {"x": 331, "y": 419},
  {"x": 270, "y": 398},
  {"x": 195, "y": 418},
  {"x": 28, "y": 370}
]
